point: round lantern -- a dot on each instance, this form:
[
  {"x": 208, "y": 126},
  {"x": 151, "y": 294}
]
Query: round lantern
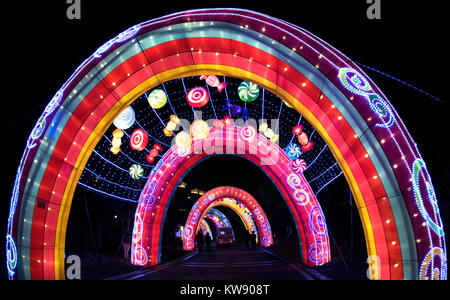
[
  {"x": 157, "y": 99},
  {"x": 126, "y": 119},
  {"x": 197, "y": 97},
  {"x": 139, "y": 140},
  {"x": 248, "y": 92}
]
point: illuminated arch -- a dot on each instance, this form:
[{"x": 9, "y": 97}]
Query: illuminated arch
[
  {"x": 389, "y": 180},
  {"x": 242, "y": 206},
  {"x": 247, "y": 143},
  {"x": 204, "y": 226},
  {"x": 219, "y": 220}
]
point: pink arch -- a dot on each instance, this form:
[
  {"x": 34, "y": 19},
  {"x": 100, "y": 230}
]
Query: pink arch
[
  {"x": 218, "y": 196},
  {"x": 245, "y": 142}
]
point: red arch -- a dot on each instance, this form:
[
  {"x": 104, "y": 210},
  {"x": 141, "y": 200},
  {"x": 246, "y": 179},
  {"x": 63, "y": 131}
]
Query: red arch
[
  {"x": 218, "y": 196},
  {"x": 154, "y": 200}
]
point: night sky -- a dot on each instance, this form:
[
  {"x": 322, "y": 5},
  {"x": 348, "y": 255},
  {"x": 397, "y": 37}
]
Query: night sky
[{"x": 41, "y": 48}]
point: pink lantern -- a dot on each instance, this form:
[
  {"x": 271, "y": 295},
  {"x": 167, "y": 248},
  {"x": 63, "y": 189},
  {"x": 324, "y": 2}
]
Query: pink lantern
[{"x": 213, "y": 81}]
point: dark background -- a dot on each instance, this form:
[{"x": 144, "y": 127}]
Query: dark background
[{"x": 41, "y": 48}]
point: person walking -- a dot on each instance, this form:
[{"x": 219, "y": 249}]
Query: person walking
[
  {"x": 253, "y": 239},
  {"x": 246, "y": 239},
  {"x": 199, "y": 239},
  {"x": 208, "y": 241}
]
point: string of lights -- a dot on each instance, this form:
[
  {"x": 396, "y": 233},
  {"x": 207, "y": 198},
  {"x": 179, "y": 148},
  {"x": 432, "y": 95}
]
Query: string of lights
[{"x": 110, "y": 173}]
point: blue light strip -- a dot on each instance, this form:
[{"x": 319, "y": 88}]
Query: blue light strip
[
  {"x": 99, "y": 155},
  {"x": 162, "y": 143},
  {"x": 170, "y": 103},
  {"x": 154, "y": 110},
  {"x": 211, "y": 100},
  {"x": 114, "y": 183},
  {"x": 226, "y": 94},
  {"x": 106, "y": 194},
  {"x": 323, "y": 173},
  {"x": 328, "y": 183},
  {"x": 132, "y": 160},
  {"x": 317, "y": 157},
  {"x": 400, "y": 81}
]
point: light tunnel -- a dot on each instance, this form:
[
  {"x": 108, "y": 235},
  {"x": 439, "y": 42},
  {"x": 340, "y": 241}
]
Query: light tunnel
[
  {"x": 245, "y": 142},
  {"x": 388, "y": 177},
  {"x": 242, "y": 203}
]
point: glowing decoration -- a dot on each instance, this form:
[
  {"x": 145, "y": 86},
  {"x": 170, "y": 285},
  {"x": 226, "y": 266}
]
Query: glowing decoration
[
  {"x": 11, "y": 255},
  {"x": 429, "y": 265},
  {"x": 303, "y": 138},
  {"x": 41, "y": 125},
  {"x": 197, "y": 97},
  {"x": 301, "y": 197},
  {"x": 227, "y": 121},
  {"x": 297, "y": 130},
  {"x": 356, "y": 83},
  {"x": 140, "y": 257},
  {"x": 299, "y": 166},
  {"x": 293, "y": 151},
  {"x": 402, "y": 146},
  {"x": 126, "y": 119},
  {"x": 116, "y": 141},
  {"x": 123, "y": 37},
  {"x": 248, "y": 91},
  {"x": 213, "y": 81},
  {"x": 317, "y": 252},
  {"x": 436, "y": 225},
  {"x": 221, "y": 196},
  {"x": 200, "y": 130},
  {"x": 269, "y": 133},
  {"x": 294, "y": 181},
  {"x": 308, "y": 146},
  {"x": 139, "y": 140},
  {"x": 248, "y": 133},
  {"x": 287, "y": 104},
  {"x": 136, "y": 172},
  {"x": 171, "y": 126},
  {"x": 317, "y": 222},
  {"x": 154, "y": 153},
  {"x": 157, "y": 99},
  {"x": 183, "y": 140}
]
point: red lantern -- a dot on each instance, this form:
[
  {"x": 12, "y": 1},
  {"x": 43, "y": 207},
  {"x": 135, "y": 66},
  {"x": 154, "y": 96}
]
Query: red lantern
[
  {"x": 307, "y": 147},
  {"x": 150, "y": 159},
  {"x": 139, "y": 140},
  {"x": 297, "y": 130},
  {"x": 197, "y": 97}
]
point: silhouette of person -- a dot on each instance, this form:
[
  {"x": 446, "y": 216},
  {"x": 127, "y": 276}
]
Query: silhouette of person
[
  {"x": 246, "y": 239},
  {"x": 253, "y": 239},
  {"x": 208, "y": 242},
  {"x": 199, "y": 239}
]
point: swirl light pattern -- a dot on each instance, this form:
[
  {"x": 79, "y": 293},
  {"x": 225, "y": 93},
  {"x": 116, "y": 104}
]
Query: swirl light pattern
[
  {"x": 157, "y": 99},
  {"x": 126, "y": 119},
  {"x": 139, "y": 140},
  {"x": 136, "y": 172},
  {"x": 248, "y": 91},
  {"x": 236, "y": 199},
  {"x": 353, "y": 81},
  {"x": 197, "y": 97}
]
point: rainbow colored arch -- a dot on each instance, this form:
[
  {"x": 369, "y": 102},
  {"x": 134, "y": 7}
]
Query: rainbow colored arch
[{"x": 388, "y": 178}]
